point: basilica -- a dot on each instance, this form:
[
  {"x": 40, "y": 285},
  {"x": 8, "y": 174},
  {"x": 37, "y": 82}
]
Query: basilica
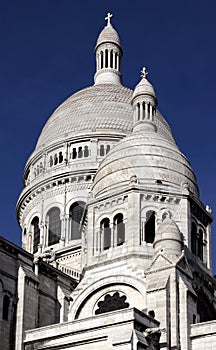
[{"x": 116, "y": 243}]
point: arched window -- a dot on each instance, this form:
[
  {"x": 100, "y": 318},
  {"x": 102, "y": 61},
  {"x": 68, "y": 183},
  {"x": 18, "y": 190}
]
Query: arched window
[
  {"x": 119, "y": 229},
  {"x": 74, "y": 153},
  {"x": 101, "y": 59},
  {"x": 51, "y": 161},
  {"x": 205, "y": 309},
  {"x": 112, "y": 303},
  {"x": 102, "y": 150},
  {"x": 200, "y": 245},
  {"x": 150, "y": 226},
  {"x": 60, "y": 157},
  {"x": 106, "y": 58},
  {"x": 111, "y": 59},
  {"x": 76, "y": 213},
  {"x": 194, "y": 238},
  {"x": 86, "y": 151},
  {"x": 116, "y": 58},
  {"x": 55, "y": 159},
  {"x": 107, "y": 148},
  {"x": 54, "y": 226},
  {"x": 105, "y": 233},
  {"x": 80, "y": 152},
  {"x": 138, "y": 111},
  {"x": 36, "y": 233},
  {"x": 6, "y": 304}
]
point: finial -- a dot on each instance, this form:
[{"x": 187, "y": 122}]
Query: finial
[
  {"x": 144, "y": 72},
  {"x": 108, "y": 17}
]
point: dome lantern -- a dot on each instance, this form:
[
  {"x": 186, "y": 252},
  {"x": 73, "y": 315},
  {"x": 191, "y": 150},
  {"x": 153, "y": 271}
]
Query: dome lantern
[
  {"x": 144, "y": 101},
  {"x": 108, "y": 55}
]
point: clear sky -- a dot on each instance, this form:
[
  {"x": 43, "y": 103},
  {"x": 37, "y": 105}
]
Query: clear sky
[{"x": 47, "y": 53}]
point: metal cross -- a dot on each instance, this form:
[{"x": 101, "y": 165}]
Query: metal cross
[
  {"x": 109, "y": 16},
  {"x": 144, "y": 72}
]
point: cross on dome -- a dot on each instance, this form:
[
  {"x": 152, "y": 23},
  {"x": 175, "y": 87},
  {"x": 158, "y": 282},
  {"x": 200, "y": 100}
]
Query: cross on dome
[
  {"x": 108, "y": 17},
  {"x": 144, "y": 72}
]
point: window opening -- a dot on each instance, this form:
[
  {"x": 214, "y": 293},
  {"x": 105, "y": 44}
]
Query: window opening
[
  {"x": 107, "y": 148},
  {"x": 60, "y": 157},
  {"x": 112, "y": 303},
  {"x": 6, "y": 304},
  {"x": 200, "y": 245},
  {"x": 36, "y": 233},
  {"x": 86, "y": 151},
  {"x": 55, "y": 159},
  {"x": 150, "y": 227},
  {"x": 105, "y": 231},
  {"x": 111, "y": 59},
  {"x": 119, "y": 228},
  {"x": 54, "y": 221},
  {"x": 106, "y": 58},
  {"x": 193, "y": 238},
  {"x": 102, "y": 153},
  {"x": 80, "y": 152},
  {"x": 76, "y": 214},
  {"x": 74, "y": 154}
]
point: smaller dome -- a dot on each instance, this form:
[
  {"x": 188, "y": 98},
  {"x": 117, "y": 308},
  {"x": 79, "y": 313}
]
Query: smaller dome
[
  {"x": 144, "y": 87},
  {"x": 108, "y": 35},
  {"x": 168, "y": 236}
]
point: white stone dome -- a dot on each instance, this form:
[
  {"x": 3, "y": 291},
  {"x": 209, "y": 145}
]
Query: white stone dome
[
  {"x": 144, "y": 87},
  {"x": 96, "y": 108},
  {"x": 108, "y": 35},
  {"x": 152, "y": 159}
]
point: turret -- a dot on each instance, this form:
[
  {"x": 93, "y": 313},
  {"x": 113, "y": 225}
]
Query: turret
[
  {"x": 144, "y": 101},
  {"x": 108, "y": 55}
]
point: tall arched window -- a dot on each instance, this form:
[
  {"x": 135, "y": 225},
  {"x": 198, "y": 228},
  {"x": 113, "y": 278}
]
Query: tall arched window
[
  {"x": 101, "y": 56},
  {"x": 193, "y": 238},
  {"x": 150, "y": 226},
  {"x": 106, "y": 58},
  {"x": 111, "y": 59},
  {"x": 138, "y": 111},
  {"x": 36, "y": 233},
  {"x": 200, "y": 245},
  {"x": 76, "y": 213},
  {"x": 105, "y": 233},
  {"x": 5, "y": 309},
  {"x": 54, "y": 226},
  {"x": 119, "y": 229}
]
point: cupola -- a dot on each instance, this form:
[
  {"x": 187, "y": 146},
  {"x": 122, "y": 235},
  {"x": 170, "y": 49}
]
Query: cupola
[
  {"x": 108, "y": 55},
  {"x": 144, "y": 102}
]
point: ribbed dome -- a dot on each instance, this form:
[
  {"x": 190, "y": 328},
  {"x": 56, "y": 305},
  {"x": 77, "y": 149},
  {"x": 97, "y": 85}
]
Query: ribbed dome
[
  {"x": 152, "y": 159},
  {"x": 104, "y": 106},
  {"x": 108, "y": 35}
]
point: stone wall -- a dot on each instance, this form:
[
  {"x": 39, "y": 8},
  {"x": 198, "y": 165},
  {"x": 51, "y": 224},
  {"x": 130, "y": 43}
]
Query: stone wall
[{"x": 29, "y": 297}]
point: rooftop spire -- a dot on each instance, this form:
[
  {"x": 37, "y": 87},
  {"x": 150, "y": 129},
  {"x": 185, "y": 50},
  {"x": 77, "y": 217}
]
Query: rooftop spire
[{"x": 108, "y": 18}]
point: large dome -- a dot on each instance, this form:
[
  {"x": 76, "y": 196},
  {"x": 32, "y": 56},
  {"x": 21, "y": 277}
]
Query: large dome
[
  {"x": 96, "y": 108},
  {"x": 148, "y": 159}
]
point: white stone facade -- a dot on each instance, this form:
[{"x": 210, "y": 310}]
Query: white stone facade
[{"x": 111, "y": 201}]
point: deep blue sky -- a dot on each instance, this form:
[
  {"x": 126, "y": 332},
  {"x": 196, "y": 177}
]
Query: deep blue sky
[{"x": 47, "y": 53}]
